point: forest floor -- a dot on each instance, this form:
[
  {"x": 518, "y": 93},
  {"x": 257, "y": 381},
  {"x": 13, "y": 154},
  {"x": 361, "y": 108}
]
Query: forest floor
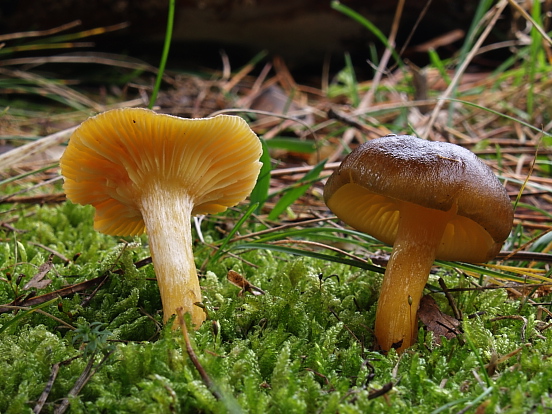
[{"x": 289, "y": 290}]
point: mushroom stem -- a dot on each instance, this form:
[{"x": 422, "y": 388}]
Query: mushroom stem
[
  {"x": 406, "y": 274},
  {"x": 167, "y": 218}
]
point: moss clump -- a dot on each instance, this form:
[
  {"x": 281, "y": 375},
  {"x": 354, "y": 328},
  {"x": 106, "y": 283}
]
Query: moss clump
[{"x": 304, "y": 346}]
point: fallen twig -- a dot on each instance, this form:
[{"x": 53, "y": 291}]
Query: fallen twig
[
  {"x": 193, "y": 357},
  {"x": 66, "y": 291},
  {"x": 46, "y": 392},
  {"x": 88, "y": 372}
]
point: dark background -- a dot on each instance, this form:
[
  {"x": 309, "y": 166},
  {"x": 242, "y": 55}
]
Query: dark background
[{"x": 306, "y": 33}]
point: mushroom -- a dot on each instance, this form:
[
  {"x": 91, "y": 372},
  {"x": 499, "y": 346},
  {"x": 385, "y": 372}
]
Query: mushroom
[
  {"x": 144, "y": 171},
  {"x": 429, "y": 200}
]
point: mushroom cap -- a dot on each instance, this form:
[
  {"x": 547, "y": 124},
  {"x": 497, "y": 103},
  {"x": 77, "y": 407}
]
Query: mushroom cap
[
  {"x": 382, "y": 176},
  {"x": 116, "y": 156}
]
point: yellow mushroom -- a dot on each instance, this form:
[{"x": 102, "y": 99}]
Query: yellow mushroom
[{"x": 144, "y": 171}]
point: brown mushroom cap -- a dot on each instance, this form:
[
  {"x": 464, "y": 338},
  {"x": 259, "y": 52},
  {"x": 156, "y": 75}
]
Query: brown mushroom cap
[
  {"x": 382, "y": 176},
  {"x": 117, "y": 155}
]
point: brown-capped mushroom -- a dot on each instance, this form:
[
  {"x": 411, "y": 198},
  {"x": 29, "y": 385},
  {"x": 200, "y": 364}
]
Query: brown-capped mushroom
[
  {"x": 429, "y": 200},
  {"x": 144, "y": 171}
]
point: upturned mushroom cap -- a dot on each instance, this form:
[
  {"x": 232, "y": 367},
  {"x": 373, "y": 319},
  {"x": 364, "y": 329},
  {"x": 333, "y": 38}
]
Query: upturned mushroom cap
[
  {"x": 371, "y": 183},
  {"x": 117, "y": 155},
  {"x": 145, "y": 171}
]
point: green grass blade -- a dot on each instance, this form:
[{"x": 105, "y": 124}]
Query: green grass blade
[
  {"x": 440, "y": 65},
  {"x": 468, "y": 400},
  {"x": 23, "y": 314},
  {"x": 165, "y": 55},
  {"x": 234, "y": 230},
  {"x": 357, "y": 17},
  {"x": 296, "y": 191},
  {"x": 475, "y": 27},
  {"x": 352, "y": 83},
  {"x": 307, "y": 253},
  {"x": 535, "y": 51},
  {"x": 292, "y": 145},
  {"x": 313, "y": 231},
  {"x": 477, "y": 353},
  {"x": 259, "y": 195},
  {"x": 27, "y": 174}
]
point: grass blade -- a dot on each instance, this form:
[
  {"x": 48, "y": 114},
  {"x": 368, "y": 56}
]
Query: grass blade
[
  {"x": 259, "y": 194},
  {"x": 165, "y": 55},
  {"x": 234, "y": 230},
  {"x": 357, "y": 17},
  {"x": 23, "y": 314},
  {"x": 296, "y": 191},
  {"x": 308, "y": 253}
]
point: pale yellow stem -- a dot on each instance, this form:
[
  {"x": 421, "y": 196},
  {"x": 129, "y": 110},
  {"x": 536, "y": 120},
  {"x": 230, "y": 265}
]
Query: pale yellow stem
[
  {"x": 167, "y": 219},
  {"x": 418, "y": 236}
]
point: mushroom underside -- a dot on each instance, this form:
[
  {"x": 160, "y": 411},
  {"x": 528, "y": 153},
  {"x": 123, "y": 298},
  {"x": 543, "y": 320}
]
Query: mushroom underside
[
  {"x": 419, "y": 235},
  {"x": 463, "y": 239}
]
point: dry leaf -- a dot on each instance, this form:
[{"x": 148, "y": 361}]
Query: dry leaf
[
  {"x": 38, "y": 280},
  {"x": 436, "y": 321},
  {"x": 238, "y": 280}
]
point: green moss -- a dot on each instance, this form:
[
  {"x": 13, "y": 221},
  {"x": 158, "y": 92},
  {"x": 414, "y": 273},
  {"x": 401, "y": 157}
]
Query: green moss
[{"x": 304, "y": 346}]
